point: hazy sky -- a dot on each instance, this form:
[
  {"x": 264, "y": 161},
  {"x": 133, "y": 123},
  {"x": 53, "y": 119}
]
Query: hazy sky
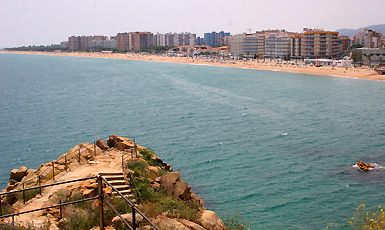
[{"x": 44, "y": 22}]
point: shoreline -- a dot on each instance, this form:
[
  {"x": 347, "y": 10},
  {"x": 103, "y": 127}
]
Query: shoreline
[{"x": 353, "y": 73}]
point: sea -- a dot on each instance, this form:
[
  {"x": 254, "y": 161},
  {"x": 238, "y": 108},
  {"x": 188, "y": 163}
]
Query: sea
[{"x": 276, "y": 147}]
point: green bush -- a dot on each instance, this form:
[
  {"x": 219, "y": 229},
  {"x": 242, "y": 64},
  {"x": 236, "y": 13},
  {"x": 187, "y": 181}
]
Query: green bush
[{"x": 234, "y": 221}]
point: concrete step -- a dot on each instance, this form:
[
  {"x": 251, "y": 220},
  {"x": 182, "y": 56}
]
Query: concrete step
[
  {"x": 115, "y": 177},
  {"x": 112, "y": 174},
  {"x": 122, "y": 187},
  {"x": 117, "y": 182}
]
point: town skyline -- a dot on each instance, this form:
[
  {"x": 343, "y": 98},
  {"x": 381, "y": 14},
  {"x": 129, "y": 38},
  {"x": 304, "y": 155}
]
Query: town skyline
[{"x": 44, "y": 22}]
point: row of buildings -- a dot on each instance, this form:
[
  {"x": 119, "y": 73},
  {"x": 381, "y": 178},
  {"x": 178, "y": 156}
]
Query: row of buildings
[
  {"x": 311, "y": 43},
  {"x": 136, "y": 41},
  {"x": 314, "y": 43}
]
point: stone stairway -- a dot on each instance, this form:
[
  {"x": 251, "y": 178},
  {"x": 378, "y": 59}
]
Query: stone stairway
[{"x": 116, "y": 179}]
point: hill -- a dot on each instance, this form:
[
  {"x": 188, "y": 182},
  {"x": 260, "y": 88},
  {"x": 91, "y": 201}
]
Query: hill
[{"x": 352, "y": 32}]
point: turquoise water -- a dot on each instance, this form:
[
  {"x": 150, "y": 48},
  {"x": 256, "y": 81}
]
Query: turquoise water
[{"x": 278, "y": 147}]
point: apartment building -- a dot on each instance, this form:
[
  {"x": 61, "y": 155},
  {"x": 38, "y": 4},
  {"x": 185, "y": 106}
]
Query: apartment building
[
  {"x": 140, "y": 40},
  {"x": 320, "y": 44},
  {"x": 214, "y": 39},
  {"x": 369, "y": 39},
  {"x": 297, "y": 45},
  {"x": 123, "y": 41},
  {"x": 277, "y": 44}
]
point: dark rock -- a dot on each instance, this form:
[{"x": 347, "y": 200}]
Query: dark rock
[
  {"x": 18, "y": 174},
  {"x": 102, "y": 145}
]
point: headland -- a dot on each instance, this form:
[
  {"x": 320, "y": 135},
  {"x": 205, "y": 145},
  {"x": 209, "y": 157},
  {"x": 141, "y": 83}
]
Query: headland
[
  {"x": 351, "y": 72},
  {"x": 137, "y": 173}
]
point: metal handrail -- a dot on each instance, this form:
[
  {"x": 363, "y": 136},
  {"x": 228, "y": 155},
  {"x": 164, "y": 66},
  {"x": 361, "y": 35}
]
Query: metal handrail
[
  {"x": 134, "y": 208},
  {"x": 48, "y": 185}
]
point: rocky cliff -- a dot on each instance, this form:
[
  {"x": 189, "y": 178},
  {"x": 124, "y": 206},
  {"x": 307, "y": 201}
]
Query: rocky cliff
[{"x": 147, "y": 181}]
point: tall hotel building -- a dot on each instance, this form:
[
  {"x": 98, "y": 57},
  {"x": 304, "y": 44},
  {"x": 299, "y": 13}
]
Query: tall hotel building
[{"x": 319, "y": 43}]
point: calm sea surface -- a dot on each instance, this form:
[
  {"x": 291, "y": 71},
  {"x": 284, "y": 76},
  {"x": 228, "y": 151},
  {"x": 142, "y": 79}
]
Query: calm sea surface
[{"x": 278, "y": 147}]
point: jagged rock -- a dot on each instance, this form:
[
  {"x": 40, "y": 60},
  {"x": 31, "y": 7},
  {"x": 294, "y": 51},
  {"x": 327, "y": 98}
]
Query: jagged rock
[
  {"x": 9, "y": 187},
  {"x": 153, "y": 170},
  {"x": 124, "y": 145},
  {"x": 181, "y": 191},
  {"x": 155, "y": 186},
  {"x": 128, "y": 217},
  {"x": 114, "y": 140},
  {"x": 102, "y": 145},
  {"x": 168, "y": 181},
  {"x": 166, "y": 223},
  {"x": 18, "y": 174},
  {"x": 12, "y": 182},
  {"x": 190, "y": 225},
  {"x": 364, "y": 166},
  {"x": 209, "y": 220}
]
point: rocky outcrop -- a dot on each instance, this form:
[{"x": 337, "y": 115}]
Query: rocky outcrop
[
  {"x": 364, "y": 166},
  {"x": 116, "y": 221},
  {"x": 152, "y": 169},
  {"x": 18, "y": 174},
  {"x": 167, "y": 223},
  {"x": 102, "y": 145},
  {"x": 210, "y": 220}
]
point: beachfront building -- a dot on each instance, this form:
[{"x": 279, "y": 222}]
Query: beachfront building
[
  {"x": 369, "y": 39},
  {"x": 64, "y": 44},
  {"x": 214, "y": 39},
  {"x": 370, "y": 56},
  {"x": 277, "y": 44},
  {"x": 123, "y": 41},
  {"x": 159, "y": 39},
  {"x": 109, "y": 43},
  {"x": 84, "y": 42},
  {"x": 320, "y": 43},
  {"x": 343, "y": 45},
  {"x": 297, "y": 46},
  {"x": 175, "y": 39},
  {"x": 140, "y": 40}
]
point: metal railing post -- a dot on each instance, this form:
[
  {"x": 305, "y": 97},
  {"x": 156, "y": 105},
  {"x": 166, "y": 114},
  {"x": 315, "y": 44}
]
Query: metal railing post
[
  {"x": 100, "y": 199},
  {"x": 65, "y": 162},
  {"x": 122, "y": 162},
  {"x": 1, "y": 206},
  {"x": 53, "y": 170},
  {"x": 61, "y": 211},
  {"x": 23, "y": 194},
  {"x": 13, "y": 217},
  {"x": 40, "y": 184},
  {"x": 79, "y": 154},
  {"x": 133, "y": 218}
]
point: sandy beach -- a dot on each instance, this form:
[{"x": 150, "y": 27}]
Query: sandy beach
[{"x": 358, "y": 73}]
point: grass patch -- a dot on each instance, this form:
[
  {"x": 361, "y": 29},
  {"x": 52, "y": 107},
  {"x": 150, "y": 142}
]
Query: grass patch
[
  {"x": 29, "y": 194},
  {"x": 234, "y": 221}
]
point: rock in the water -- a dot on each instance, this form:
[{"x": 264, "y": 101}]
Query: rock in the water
[
  {"x": 364, "y": 166},
  {"x": 210, "y": 221}
]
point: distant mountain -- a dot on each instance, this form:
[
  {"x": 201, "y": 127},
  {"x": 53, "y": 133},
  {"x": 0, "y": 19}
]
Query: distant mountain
[{"x": 352, "y": 32}]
